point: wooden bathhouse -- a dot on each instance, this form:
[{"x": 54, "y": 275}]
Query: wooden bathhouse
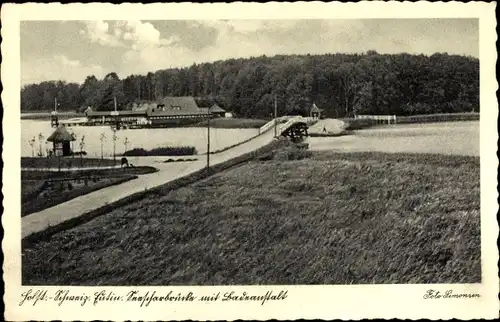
[
  {"x": 61, "y": 140},
  {"x": 155, "y": 114}
]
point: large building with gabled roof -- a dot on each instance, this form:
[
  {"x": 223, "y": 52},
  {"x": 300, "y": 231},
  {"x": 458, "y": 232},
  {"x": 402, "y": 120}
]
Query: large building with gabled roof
[{"x": 160, "y": 113}]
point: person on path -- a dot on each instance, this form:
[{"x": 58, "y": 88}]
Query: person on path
[{"x": 324, "y": 128}]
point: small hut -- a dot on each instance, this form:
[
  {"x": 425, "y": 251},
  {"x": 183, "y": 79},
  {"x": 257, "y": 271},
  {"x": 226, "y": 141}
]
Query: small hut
[
  {"x": 217, "y": 111},
  {"x": 61, "y": 140},
  {"x": 315, "y": 111}
]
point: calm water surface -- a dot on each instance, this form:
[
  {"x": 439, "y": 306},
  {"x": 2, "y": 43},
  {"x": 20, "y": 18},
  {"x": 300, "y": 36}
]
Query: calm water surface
[
  {"x": 138, "y": 138},
  {"x": 458, "y": 138}
]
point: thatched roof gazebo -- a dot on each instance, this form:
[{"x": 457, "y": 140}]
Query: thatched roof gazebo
[
  {"x": 315, "y": 111},
  {"x": 61, "y": 140}
]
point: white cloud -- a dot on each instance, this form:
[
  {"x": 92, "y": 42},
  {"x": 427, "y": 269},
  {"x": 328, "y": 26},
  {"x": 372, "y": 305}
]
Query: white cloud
[
  {"x": 98, "y": 31},
  {"x": 228, "y": 45},
  {"x": 132, "y": 33},
  {"x": 65, "y": 61}
]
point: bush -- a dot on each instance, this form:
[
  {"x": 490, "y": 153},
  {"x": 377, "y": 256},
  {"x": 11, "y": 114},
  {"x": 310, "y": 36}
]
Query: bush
[
  {"x": 167, "y": 151},
  {"x": 292, "y": 153},
  {"x": 358, "y": 124},
  {"x": 137, "y": 152}
]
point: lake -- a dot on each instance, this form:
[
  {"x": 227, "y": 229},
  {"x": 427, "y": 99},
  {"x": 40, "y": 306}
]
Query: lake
[
  {"x": 138, "y": 138},
  {"x": 456, "y": 138}
]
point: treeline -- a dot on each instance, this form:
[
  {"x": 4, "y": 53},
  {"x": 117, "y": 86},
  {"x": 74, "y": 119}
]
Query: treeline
[{"x": 340, "y": 84}]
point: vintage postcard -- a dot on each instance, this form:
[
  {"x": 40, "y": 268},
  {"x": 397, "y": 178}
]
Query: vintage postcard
[{"x": 250, "y": 161}]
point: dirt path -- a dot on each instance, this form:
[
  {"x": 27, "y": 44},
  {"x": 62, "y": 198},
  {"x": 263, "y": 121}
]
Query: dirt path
[
  {"x": 332, "y": 126},
  {"x": 40, "y": 221}
]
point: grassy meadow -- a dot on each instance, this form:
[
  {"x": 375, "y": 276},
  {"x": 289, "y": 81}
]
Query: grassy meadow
[
  {"x": 291, "y": 218},
  {"x": 233, "y": 123},
  {"x": 44, "y": 189}
]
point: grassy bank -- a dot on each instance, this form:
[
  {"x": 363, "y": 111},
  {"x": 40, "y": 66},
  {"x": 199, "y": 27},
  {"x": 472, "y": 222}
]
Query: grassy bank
[
  {"x": 449, "y": 117},
  {"x": 78, "y": 174},
  {"x": 358, "y": 124},
  {"x": 45, "y": 189},
  {"x": 325, "y": 135},
  {"x": 233, "y": 123},
  {"x": 50, "y": 194},
  {"x": 46, "y": 115},
  {"x": 333, "y": 218},
  {"x": 66, "y": 162}
]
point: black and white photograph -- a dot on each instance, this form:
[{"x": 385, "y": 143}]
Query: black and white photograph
[{"x": 262, "y": 152}]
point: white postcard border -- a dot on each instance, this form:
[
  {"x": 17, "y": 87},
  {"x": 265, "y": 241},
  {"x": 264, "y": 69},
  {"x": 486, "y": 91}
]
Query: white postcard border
[{"x": 320, "y": 302}]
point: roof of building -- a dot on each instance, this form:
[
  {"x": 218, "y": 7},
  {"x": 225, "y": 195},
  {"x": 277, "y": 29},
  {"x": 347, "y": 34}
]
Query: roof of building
[
  {"x": 166, "y": 106},
  {"x": 187, "y": 104},
  {"x": 315, "y": 108},
  {"x": 123, "y": 113},
  {"x": 198, "y": 112},
  {"x": 61, "y": 135},
  {"x": 217, "y": 109}
]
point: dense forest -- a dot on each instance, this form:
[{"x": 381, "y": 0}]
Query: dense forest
[{"x": 340, "y": 84}]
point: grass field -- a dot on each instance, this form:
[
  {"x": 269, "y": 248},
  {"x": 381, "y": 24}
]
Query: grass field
[
  {"x": 359, "y": 124},
  {"x": 66, "y": 162},
  {"x": 233, "y": 123},
  {"x": 335, "y": 218}
]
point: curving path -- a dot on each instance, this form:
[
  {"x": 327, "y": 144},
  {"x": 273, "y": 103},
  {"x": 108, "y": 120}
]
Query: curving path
[{"x": 40, "y": 221}]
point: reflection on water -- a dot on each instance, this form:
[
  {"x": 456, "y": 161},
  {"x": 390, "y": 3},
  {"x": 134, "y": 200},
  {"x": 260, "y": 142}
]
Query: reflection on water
[
  {"x": 137, "y": 138},
  {"x": 460, "y": 138}
]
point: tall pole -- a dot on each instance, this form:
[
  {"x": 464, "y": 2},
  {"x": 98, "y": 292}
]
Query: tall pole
[
  {"x": 40, "y": 139},
  {"x": 275, "y": 116},
  {"x": 114, "y": 99},
  {"x": 114, "y": 144},
  {"x": 208, "y": 139},
  {"x": 103, "y": 137},
  {"x": 55, "y": 104},
  {"x": 82, "y": 144}
]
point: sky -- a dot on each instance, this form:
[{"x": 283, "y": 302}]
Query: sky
[{"x": 72, "y": 50}]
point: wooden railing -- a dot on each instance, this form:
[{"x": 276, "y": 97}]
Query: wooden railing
[{"x": 384, "y": 118}]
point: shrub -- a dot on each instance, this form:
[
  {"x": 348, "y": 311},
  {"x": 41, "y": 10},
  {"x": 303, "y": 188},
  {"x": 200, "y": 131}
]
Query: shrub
[
  {"x": 358, "y": 124},
  {"x": 292, "y": 153},
  {"x": 137, "y": 152},
  {"x": 166, "y": 151}
]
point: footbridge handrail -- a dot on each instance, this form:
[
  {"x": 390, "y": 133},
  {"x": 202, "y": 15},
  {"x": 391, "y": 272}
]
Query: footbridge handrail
[
  {"x": 289, "y": 121},
  {"x": 267, "y": 126}
]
